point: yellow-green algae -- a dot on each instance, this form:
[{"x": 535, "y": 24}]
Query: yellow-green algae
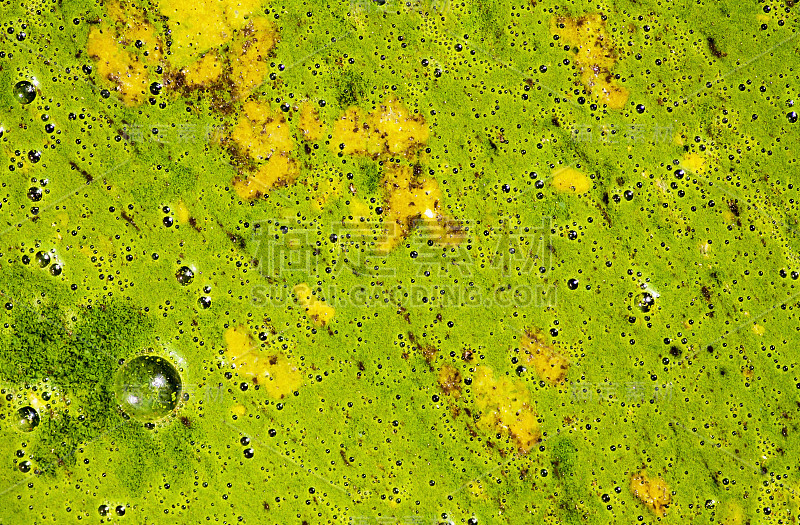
[{"x": 476, "y": 262}]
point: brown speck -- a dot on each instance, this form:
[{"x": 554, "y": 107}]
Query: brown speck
[{"x": 429, "y": 352}]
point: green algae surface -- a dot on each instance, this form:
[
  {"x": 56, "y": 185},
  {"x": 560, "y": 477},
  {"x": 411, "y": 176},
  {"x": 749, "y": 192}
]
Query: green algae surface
[{"x": 399, "y": 262}]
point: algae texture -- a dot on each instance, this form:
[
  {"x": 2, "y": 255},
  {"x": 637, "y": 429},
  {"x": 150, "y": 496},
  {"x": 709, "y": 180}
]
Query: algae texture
[{"x": 478, "y": 262}]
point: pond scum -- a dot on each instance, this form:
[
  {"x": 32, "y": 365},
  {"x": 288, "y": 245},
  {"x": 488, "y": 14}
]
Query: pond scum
[{"x": 431, "y": 262}]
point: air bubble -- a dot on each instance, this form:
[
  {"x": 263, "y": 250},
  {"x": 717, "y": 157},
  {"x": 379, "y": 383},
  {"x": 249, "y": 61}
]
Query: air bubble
[
  {"x": 645, "y": 301},
  {"x": 185, "y": 275},
  {"x": 43, "y": 258},
  {"x": 25, "y": 92},
  {"x": 147, "y": 388},
  {"x": 27, "y": 419},
  {"x": 35, "y": 194}
]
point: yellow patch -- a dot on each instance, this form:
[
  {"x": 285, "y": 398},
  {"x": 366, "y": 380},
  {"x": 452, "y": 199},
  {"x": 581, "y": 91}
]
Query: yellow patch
[
  {"x": 570, "y": 180},
  {"x": 277, "y": 171},
  {"x": 131, "y": 25},
  {"x": 197, "y": 27},
  {"x": 595, "y": 57},
  {"x": 270, "y": 369},
  {"x": 506, "y": 406},
  {"x": 249, "y": 64},
  {"x": 653, "y": 492},
  {"x": 389, "y": 130},
  {"x": 693, "y": 161},
  {"x": 320, "y": 313},
  {"x": 310, "y": 125},
  {"x": 238, "y": 342},
  {"x": 349, "y": 133},
  {"x": 261, "y": 132},
  {"x": 450, "y": 381},
  {"x": 203, "y": 72},
  {"x": 414, "y": 201},
  {"x": 395, "y": 129},
  {"x": 182, "y": 213},
  {"x": 239, "y": 410},
  {"x": 758, "y": 329},
  {"x": 282, "y": 377},
  {"x": 549, "y": 364},
  {"x": 118, "y": 66},
  {"x": 358, "y": 210}
]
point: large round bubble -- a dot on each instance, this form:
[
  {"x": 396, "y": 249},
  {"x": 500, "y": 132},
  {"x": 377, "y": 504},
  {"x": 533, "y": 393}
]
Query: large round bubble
[
  {"x": 147, "y": 388},
  {"x": 27, "y": 419},
  {"x": 24, "y": 92}
]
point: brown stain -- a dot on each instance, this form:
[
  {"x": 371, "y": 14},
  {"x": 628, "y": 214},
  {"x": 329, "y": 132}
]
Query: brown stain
[
  {"x": 193, "y": 224},
  {"x": 129, "y": 220},
  {"x": 603, "y": 211},
  {"x": 429, "y": 353},
  {"x": 86, "y": 175},
  {"x": 715, "y": 50}
]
